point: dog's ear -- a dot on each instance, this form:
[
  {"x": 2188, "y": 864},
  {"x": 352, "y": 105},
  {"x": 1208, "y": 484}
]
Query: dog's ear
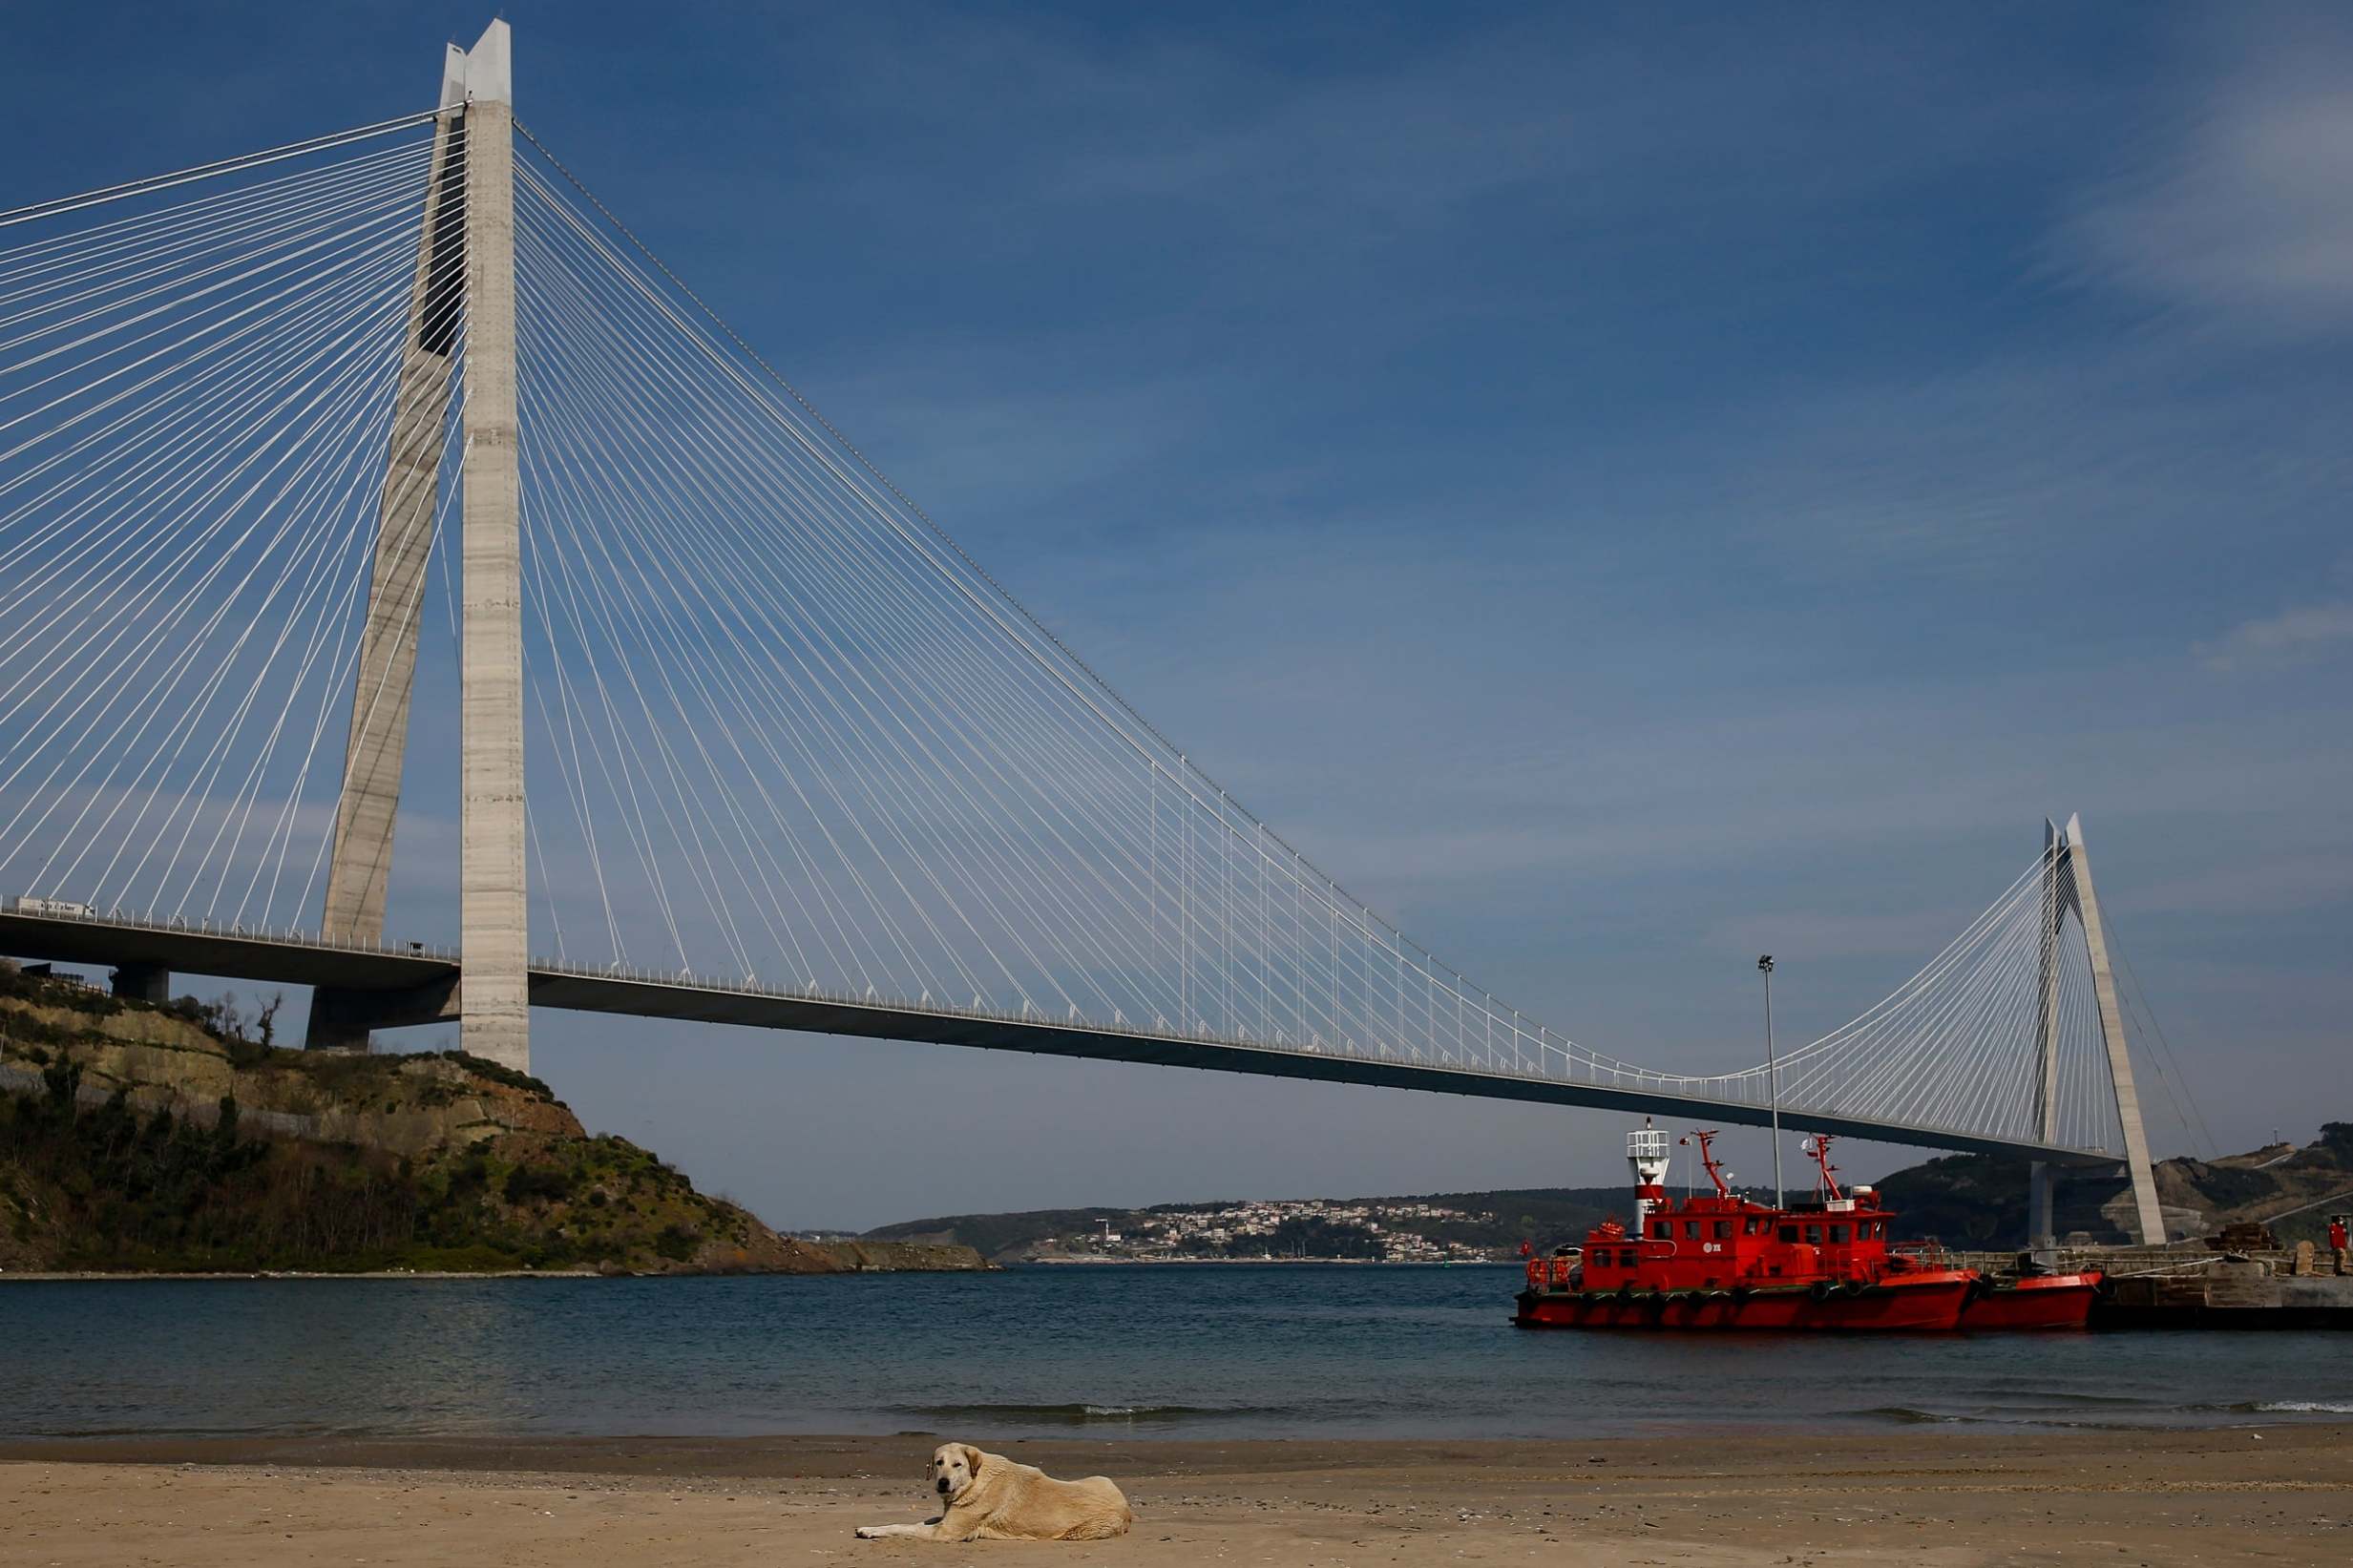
[{"x": 972, "y": 1458}]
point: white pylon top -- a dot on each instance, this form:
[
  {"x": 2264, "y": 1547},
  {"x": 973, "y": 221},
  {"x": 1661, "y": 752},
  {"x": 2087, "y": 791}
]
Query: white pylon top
[{"x": 484, "y": 74}]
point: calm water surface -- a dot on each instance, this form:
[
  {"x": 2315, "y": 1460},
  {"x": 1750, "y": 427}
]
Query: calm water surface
[{"x": 1281, "y": 1350}]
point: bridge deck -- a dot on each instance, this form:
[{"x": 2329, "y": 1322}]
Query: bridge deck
[{"x": 299, "y": 959}]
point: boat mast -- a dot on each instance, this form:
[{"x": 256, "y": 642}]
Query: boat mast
[{"x": 1707, "y": 1158}]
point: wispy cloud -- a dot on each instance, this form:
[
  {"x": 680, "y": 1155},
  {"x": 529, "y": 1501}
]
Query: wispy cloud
[
  {"x": 2241, "y": 216},
  {"x": 2301, "y": 635}
]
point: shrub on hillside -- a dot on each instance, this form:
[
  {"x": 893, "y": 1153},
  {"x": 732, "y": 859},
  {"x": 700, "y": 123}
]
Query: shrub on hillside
[
  {"x": 500, "y": 1073},
  {"x": 547, "y": 1182}
]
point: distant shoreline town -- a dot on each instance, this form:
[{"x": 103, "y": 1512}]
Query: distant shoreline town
[
  {"x": 1361, "y": 1230},
  {"x": 1278, "y": 1230}
]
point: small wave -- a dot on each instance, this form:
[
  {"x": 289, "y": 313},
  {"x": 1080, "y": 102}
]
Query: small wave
[
  {"x": 1907, "y": 1415},
  {"x": 1081, "y": 1414},
  {"x": 2273, "y": 1407},
  {"x": 2020, "y": 1416}
]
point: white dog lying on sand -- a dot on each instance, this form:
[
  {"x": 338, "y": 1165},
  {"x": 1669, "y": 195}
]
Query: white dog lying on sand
[{"x": 989, "y": 1497}]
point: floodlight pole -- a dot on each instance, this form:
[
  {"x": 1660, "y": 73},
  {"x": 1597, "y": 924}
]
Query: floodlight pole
[{"x": 1773, "y": 1078}]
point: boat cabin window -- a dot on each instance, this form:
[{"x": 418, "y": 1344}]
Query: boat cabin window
[
  {"x": 1661, "y": 1229},
  {"x": 1789, "y": 1233},
  {"x": 1838, "y": 1235},
  {"x": 1723, "y": 1229},
  {"x": 1627, "y": 1258},
  {"x": 1813, "y": 1234},
  {"x": 1690, "y": 1230},
  {"x": 1747, "y": 1226}
]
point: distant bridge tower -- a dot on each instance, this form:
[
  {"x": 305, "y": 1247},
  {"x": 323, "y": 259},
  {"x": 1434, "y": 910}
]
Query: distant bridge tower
[
  {"x": 463, "y": 293},
  {"x": 2066, "y": 886}
]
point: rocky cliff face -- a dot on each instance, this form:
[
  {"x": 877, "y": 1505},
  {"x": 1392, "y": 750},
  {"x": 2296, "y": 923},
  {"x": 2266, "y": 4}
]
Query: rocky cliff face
[
  {"x": 142, "y": 1138},
  {"x": 163, "y": 1061},
  {"x": 1981, "y": 1200}
]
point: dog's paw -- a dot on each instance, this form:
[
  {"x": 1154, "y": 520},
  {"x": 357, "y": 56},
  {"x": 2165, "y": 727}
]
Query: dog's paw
[{"x": 870, "y": 1531}]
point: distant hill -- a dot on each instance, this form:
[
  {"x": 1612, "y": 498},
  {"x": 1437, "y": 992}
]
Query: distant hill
[
  {"x": 1971, "y": 1200},
  {"x": 137, "y": 1137}
]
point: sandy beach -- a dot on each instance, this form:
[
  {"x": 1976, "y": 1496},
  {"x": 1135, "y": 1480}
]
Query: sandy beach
[{"x": 2255, "y": 1494}]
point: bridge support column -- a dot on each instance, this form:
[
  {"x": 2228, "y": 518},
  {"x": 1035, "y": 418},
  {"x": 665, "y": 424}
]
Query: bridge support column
[
  {"x": 2149, "y": 1217},
  {"x": 144, "y": 983},
  {"x": 493, "y": 909},
  {"x": 376, "y": 746},
  {"x": 2042, "y": 1235},
  {"x": 352, "y": 1014},
  {"x": 2040, "y": 1231}
]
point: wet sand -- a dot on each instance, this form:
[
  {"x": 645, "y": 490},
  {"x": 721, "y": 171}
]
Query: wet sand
[{"x": 2253, "y": 1494}]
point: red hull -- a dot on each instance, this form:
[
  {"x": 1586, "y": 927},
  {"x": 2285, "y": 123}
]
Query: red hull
[
  {"x": 2048, "y": 1301},
  {"x": 1928, "y": 1301}
]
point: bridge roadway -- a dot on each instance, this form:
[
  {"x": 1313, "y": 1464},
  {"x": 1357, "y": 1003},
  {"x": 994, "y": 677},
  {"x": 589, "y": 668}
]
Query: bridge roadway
[{"x": 416, "y": 984}]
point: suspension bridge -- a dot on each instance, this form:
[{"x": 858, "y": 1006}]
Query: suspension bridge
[{"x": 398, "y": 439}]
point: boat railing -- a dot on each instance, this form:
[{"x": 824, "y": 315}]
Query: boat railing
[
  {"x": 1926, "y": 1253},
  {"x": 1558, "y": 1272}
]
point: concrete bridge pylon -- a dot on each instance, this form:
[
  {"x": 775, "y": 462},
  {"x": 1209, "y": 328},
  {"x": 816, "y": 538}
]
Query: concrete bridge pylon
[
  {"x": 464, "y": 292},
  {"x": 2068, "y": 886}
]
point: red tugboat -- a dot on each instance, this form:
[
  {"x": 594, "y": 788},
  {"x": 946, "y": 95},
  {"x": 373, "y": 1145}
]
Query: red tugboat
[
  {"x": 1722, "y": 1261},
  {"x": 1718, "y": 1261}
]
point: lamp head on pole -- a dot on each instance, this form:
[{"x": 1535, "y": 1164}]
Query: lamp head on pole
[{"x": 1765, "y": 964}]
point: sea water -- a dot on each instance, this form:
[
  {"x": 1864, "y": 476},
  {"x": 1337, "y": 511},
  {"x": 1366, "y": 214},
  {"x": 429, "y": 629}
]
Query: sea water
[{"x": 1209, "y": 1351}]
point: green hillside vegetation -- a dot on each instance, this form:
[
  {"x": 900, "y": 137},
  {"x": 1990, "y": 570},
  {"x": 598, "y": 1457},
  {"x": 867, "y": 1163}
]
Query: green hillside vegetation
[
  {"x": 134, "y": 1137},
  {"x": 997, "y": 1236}
]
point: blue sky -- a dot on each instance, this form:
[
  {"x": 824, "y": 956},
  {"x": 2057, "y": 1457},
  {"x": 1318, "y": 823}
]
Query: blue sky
[{"x": 1625, "y": 493}]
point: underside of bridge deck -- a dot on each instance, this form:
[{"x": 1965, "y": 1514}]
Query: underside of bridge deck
[{"x": 384, "y": 988}]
